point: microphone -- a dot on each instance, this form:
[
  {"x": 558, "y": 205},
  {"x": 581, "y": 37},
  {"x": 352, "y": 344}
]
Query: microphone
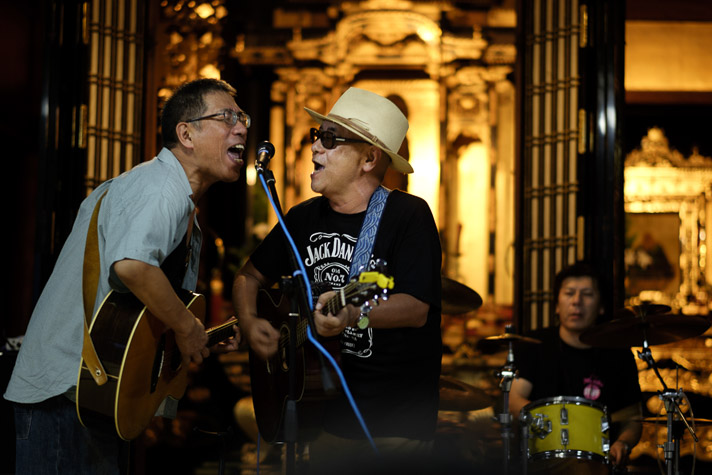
[{"x": 265, "y": 152}]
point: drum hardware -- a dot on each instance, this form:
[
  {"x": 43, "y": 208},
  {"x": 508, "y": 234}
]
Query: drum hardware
[
  {"x": 671, "y": 399},
  {"x": 506, "y": 374},
  {"x": 647, "y": 325},
  {"x": 539, "y": 425}
]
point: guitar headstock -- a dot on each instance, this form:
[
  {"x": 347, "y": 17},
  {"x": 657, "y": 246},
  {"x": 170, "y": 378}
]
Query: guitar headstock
[
  {"x": 366, "y": 286},
  {"x": 371, "y": 284},
  {"x": 382, "y": 281}
]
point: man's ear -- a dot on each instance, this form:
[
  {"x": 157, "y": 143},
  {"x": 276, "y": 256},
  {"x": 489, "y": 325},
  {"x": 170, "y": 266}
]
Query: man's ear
[
  {"x": 183, "y": 133},
  {"x": 372, "y": 156}
]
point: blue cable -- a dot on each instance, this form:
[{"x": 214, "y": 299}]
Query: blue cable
[{"x": 310, "y": 336}]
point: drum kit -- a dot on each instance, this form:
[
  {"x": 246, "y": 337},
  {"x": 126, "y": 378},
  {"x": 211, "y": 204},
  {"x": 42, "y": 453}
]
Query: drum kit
[
  {"x": 643, "y": 326},
  {"x": 458, "y": 298},
  {"x": 574, "y": 427}
]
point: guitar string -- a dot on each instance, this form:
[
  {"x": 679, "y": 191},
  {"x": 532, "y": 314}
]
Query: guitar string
[{"x": 333, "y": 306}]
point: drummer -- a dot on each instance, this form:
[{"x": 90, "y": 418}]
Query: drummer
[{"x": 564, "y": 366}]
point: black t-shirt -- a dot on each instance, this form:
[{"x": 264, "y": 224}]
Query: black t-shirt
[
  {"x": 393, "y": 374},
  {"x": 606, "y": 376}
]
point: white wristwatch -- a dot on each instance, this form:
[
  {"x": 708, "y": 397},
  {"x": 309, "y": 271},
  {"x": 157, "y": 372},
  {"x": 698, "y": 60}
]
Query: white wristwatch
[{"x": 362, "y": 321}]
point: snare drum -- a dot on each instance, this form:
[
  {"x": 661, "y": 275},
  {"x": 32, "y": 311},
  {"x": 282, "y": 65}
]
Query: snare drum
[{"x": 565, "y": 426}]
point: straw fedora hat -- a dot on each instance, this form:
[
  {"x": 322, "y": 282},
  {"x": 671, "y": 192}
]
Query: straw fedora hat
[{"x": 373, "y": 118}]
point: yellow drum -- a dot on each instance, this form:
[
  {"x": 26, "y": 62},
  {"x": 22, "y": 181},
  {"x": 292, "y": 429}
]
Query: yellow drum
[{"x": 565, "y": 426}]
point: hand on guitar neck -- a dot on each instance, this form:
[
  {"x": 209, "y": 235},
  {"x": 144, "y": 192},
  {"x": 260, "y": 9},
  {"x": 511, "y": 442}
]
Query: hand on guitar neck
[
  {"x": 231, "y": 344},
  {"x": 328, "y": 324}
]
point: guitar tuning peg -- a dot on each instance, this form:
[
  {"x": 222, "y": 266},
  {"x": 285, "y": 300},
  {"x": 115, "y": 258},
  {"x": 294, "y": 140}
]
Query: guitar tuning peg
[{"x": 380, "y": 265}]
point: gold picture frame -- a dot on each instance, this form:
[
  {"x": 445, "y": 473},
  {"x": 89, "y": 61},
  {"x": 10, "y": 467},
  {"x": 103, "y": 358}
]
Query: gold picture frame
[{"x": 667, "y": 195}]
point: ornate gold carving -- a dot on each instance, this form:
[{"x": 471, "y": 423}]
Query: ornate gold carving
[
  {"x": 194, "y": 29},
  {"x": 444, "y": 44},
  {"x": 379, "y": 34},
  {"x": 500, "y": 54},
  {"x": 655, "y": 151},
  {"x": 659, "y": 179}
]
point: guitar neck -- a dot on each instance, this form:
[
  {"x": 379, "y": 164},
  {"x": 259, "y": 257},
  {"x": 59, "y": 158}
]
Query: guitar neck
[
  {"x": 220, "y": 333},
  {"x": 354, "y": 292},
  {"x": 338, "y": 301},
  {"x": 333, "y": 306}
]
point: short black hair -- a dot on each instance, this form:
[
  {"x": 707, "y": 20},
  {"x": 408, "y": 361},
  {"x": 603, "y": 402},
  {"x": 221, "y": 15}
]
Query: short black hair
[
  {"x": 577, "y": 269},
  {"x": 188, "y": 102}
]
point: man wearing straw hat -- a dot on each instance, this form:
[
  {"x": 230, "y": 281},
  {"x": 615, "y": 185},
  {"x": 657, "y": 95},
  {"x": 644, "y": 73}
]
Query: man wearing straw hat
[{"x": 391, "y": 357}]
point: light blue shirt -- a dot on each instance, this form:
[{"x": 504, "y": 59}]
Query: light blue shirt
[{"x": 144, "y": 216}]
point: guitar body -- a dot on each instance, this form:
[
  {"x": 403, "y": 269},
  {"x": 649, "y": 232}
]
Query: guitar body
[
  {"x": 142, "y": 362},
  {"x": 270, "y": 378}
]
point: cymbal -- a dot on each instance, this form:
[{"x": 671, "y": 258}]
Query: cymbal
[
  {"x": 504, "y": 338},
  {"x": 458, "y": 298},
  {"x": 456, "y": 395},
  {"x": 657, "y": 329},
  {"x": 662, "y": 420},
  {"x": 641, "y": 310}
]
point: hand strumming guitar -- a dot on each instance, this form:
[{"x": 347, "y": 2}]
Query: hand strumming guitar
[
  {"x": 262, "y": 337},
  {"x": 151, "y": 286}
]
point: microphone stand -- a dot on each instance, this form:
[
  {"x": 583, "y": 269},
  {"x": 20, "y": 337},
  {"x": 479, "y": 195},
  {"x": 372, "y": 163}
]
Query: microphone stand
[{"x": 296, "y": 291}]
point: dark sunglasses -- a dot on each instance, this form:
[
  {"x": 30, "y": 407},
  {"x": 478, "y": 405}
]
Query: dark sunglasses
[{"x": 328, "y": 139}]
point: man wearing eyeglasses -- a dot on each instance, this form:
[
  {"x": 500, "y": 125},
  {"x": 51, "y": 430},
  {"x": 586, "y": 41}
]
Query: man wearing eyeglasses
[
  {"x": 147, "y": 240},
  {"x": 391, "y": 356}
]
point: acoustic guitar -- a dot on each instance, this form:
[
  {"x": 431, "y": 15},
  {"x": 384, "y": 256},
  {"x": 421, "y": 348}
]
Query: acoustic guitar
[
  {"x": 142, "y": 361},
  {"x": 270, "y": 378}
]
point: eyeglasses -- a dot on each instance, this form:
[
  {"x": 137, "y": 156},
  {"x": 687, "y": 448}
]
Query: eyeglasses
[
  {"x": 228, "y": 116},
  {"x": 328, "y": 139}
]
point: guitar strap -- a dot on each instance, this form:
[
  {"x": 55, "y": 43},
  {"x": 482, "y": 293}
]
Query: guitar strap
[
  {"x": 90, "y": 282},
  {"x": 369, "y": 229}
]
